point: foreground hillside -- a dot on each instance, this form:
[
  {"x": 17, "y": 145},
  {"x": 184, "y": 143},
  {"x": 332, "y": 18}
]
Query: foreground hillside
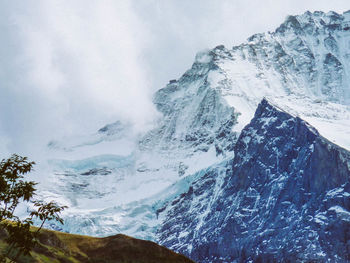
[{"x": 57, "y": 246}]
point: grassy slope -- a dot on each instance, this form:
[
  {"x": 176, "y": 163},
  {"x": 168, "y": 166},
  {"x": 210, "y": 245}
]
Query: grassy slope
[{"x": 62, "y": 247}]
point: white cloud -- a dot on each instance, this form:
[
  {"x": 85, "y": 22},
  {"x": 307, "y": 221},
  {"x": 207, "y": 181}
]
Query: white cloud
[
  {"x": 72, "y": 66},
  {"x": 75, "y": 65}
]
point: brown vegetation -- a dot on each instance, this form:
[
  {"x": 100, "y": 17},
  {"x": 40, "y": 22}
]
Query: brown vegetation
[{"x": 54, "y": 246}]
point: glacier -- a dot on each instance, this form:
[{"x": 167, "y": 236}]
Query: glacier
[{"x": 116, "y": 180}]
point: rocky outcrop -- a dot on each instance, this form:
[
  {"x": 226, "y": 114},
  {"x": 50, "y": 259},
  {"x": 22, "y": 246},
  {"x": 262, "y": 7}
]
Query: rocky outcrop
[
  {"x": 284, "y": 196},
  {"x": 195, "y": 116}
]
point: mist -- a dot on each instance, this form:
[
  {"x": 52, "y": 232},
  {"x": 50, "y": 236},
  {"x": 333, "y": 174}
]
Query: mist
[{"x": 70, "y": 67}]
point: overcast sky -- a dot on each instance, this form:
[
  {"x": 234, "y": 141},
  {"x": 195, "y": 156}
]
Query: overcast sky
[{"x": 69, "y": 67}]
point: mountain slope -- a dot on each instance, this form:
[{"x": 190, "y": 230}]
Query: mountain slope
[{"x": 284, "y": 196}]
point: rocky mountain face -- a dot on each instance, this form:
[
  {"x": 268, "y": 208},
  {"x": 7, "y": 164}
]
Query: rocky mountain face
[
  {"x": 195, "y": 115},
  {"x": 284, "y": 196},
  {"x": 308, "y": 53},
  {"x": 204, "y": 183}
]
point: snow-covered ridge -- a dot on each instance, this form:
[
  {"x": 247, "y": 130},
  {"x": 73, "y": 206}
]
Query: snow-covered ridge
[{"x": 304, "y": 67}]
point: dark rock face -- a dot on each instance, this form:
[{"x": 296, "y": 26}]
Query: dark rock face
[{"x": 285, "y": 196}]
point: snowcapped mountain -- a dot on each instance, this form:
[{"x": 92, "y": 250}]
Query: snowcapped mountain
[{"x": 202, "y": 184}]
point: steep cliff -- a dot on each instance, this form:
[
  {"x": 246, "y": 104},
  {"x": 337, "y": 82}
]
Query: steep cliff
[{"x": 284, "y": 196}]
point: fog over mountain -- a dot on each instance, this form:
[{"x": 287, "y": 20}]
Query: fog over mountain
[{"x": 70, "y": 67}]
